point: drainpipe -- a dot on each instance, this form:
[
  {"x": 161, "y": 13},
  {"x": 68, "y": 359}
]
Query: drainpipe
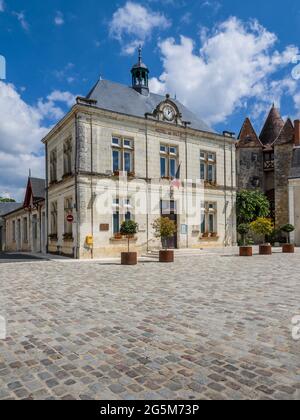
[
  {"x": 92, "y": 189},
  {"x": 47, "y": 202},
  {"x": 186, "y": 123},
  {"x": 225, "y": 192},
  {"x": 147, "y": 179},
  {"x": 232, "y": 199},
  {"x": 76, "y": 187}
]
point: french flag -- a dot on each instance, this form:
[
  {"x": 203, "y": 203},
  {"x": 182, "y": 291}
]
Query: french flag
[{"x": 176, "y": 183}]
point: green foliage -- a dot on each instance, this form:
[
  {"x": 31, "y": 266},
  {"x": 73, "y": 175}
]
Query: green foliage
[
  {"x": 287, "y": 228},
  {"x": 251, "y": 205},
  {"x": 129, "y": 228},
  {"x": 164, "y": 228},
  {"x": 276, "y": 236},
  {"x": 243, "y": 229},
  {"x": 262, "y": 226},
  {"x": 6, "y": 200}
]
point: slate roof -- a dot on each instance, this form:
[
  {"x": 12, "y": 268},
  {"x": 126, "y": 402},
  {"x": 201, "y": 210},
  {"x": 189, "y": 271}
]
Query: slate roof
[
  {"x": 295, "y": 169},
  {"x": 6, "y": 208},
  {"x": 125, "y": 100},
  {"x": 38, "y": 188}
]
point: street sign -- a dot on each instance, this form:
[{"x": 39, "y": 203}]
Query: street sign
[{"x": 70, "y": 218}]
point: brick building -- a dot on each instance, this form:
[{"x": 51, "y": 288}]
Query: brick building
[{"x": 267, "y": 161}]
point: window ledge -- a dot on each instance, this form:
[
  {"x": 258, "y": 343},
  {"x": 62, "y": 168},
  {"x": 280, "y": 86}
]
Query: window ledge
[
  {"x": 208, "y": 184},
  {"x": 68, "y": 175},
  {"x": 122, "y": 240},
  {"x": 209, "y": 238}
]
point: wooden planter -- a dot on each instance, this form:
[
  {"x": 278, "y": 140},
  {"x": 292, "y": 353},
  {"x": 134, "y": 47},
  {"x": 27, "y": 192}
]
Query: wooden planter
[
  {"x": 166, "y": 256},
  {"x": 288, "y": 248},
  {"x": 265, "y": 249},
  {"x": 129, "y": 258},
  {"x": 246, "y": 251}
]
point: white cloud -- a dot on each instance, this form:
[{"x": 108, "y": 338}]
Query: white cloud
[
  {"x": 22, "y": 127},
  {"x": 234, "y": 65},
  {"x": 22, "y": 19},
  {"x": 59, "y": 19},
  {"x": 133, "y": 24}
]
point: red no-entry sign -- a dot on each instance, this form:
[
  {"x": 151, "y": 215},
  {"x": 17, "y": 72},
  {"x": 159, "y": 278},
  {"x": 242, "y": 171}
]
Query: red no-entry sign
[{"x": 70, "y": 218}]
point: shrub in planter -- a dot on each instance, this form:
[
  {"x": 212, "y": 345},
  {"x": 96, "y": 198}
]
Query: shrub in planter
[
  {"x": 263, "y": 227},
  {"x": 245, "y": 250},
  {"x": 276, "y": 237},
  {"x": 164, "y": 229},
  {"x": 288, "y": 248},
  {"x": 129, "y": 228}
]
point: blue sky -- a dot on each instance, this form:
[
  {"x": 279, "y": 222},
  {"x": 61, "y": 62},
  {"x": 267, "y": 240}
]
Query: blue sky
[{"x": 224, "y": 59}]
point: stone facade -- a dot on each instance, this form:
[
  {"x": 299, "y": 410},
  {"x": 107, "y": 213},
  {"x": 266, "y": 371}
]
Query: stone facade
[
  {"x": 264, "y": 162},
  {"x": 92, "y": 131},
  {"x": 25, "y": 227}
]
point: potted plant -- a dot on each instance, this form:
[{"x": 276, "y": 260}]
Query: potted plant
[
  {"x": 263, "y": 227},
  {"x": 245, "y": 250},
  {"x": 129, "y": 228},
  {"x": 164, "y": 229},
  {"x": 288, "y": 248}
]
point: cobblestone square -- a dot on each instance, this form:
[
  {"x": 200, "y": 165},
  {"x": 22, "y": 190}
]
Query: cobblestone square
[{"x": 206, "y": 327}]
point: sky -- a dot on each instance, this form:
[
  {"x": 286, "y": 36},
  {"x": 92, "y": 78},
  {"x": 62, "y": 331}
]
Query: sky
[{"x": 225, "y": 60}]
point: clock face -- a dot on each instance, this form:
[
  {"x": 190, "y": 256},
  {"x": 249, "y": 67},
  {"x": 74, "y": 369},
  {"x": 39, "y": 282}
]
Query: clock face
[{"x": 169, "y": 113}]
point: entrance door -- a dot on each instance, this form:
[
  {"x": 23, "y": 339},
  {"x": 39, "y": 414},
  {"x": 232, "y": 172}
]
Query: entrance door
[{"x": 168, "y": 209}]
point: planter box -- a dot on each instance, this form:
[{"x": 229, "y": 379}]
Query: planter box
[
  {"x": 166, "y": 256},
  {"x": 129, "y": 258},
  {"x": 265, "y": 250},
  {"x": 246, "y": 251},
  {"x": 288, "y": 248}
]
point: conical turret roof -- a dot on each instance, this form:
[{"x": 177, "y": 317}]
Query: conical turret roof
[
  {"x": 248, "y": 136},
  {"x": 272, "y": 127}
]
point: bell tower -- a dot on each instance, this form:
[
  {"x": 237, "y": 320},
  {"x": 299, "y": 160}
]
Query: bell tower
[{"x": 140, "y": 76}]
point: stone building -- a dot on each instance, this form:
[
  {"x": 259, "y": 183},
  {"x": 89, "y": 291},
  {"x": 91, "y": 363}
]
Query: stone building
[
  {"x": 25, "y": 224},
  {"x": 265, "y": 161},
  {"x": 147, "y": 140},
  {"x": 294, "y": 188},
  {"x": 4, "y": 209}
]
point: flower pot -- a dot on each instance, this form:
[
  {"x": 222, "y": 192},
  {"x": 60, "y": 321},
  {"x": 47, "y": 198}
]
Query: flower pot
[
  {"x": 129, "y": 258},
  {"x": 166, "y": 256},
  {"x": 265, "y": 249},
  {"x": 246, "y": 251},
  {"x": 288, "y": 248}
]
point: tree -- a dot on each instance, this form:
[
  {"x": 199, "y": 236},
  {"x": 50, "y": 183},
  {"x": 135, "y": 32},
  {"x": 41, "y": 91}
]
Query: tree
[
  {"x": 129, "y": 228},
  {"x": 251, "y": 205},
  {"x": 7, "y": 200},
  {"x": 288, "y": 229},
  {"x": 164, "y": 229},
  {"x": 262, "y": 226},
  {"x": 243, "y": 229}
]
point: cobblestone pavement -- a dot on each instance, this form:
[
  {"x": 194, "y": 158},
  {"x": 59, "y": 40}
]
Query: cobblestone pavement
[{"x": 213, "y": 327}]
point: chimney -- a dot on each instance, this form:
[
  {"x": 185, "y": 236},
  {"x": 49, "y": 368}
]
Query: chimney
[{"x": 297, "y": 133}]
